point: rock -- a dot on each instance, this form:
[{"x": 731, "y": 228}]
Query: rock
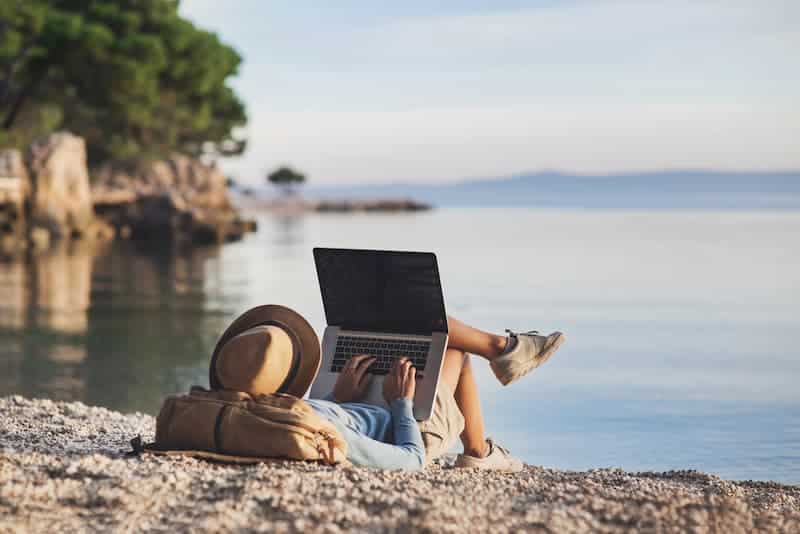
[
  {"x": 250, "y": 225},
  {"x": 14, "y": 190},
  {"x": 61, "y": 199},
  {"x": 382, "y": 205},
  {"x": 178, "y": 199},
  {"x": 12, "y": 165},
  {"x": 39, "y": 238},
  {"x": 11, "y": 210},
  {"x": 300, "y": 205},
  {"x": 199, "y": 184},
  {"x": 242, "y": 226},
  {"x": 9, "y": 245},
  {"x": 168, "y": 216},
  {"x": 158, "y": 215},
  {"x": 100, "y": 230}
]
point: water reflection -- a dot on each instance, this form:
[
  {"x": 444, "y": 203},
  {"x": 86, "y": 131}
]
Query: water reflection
[
  {"x": 49, "y": 290},
  {"x": 43, "y": 315},
  {"x": 14, "y": 289},
  {"x": 288, "y": 228},
  {"x": 81, "y": 322}
]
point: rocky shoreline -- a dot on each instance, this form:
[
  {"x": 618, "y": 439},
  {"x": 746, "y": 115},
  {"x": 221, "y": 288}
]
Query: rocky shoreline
[
  {"x": 302, "y": 205},
  {"x": 49, "y": 193},
  {"x": 63, "y": 467}
]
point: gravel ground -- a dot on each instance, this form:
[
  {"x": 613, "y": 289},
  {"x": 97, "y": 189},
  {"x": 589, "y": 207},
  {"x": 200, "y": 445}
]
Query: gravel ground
[{"x": 63, "y": 469}]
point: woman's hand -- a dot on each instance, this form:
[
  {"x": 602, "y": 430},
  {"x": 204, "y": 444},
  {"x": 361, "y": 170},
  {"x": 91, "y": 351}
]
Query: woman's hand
[
  {"x": 353, "y": 380},
  {"x": 401, "y": 382}
]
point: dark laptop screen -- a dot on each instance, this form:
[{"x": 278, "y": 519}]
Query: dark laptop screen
[{"x": 381, "y": 291}]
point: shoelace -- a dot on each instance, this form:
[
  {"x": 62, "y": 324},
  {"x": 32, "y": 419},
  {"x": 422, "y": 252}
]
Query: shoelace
[{"x": 528, "y": 333}]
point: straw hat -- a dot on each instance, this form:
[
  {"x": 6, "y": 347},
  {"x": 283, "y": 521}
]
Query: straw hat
[{"x": 268, "y": 349}]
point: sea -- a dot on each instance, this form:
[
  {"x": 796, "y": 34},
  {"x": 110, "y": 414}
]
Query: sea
[{"x": 683, "y": 326}]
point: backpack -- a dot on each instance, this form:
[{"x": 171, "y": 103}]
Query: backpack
[{"x": 233, "y": 426}]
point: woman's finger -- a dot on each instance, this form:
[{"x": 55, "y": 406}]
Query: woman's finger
[
  {"x": 396, "y": 364},
  {"x": 410, "y": 371},
  {"x": 363, "y": 367},
  {"x": 365, "y": 361},
  {"x": 353, "y": 362},
  {"x": 363, "y": 381}
]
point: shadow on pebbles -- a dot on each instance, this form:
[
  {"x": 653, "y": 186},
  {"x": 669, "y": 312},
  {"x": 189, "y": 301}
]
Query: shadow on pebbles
[{"x": 63, "y": 468}]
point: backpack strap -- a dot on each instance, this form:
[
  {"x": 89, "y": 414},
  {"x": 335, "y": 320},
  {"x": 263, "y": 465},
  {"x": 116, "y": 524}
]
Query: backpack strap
[
  {"x": 328, "y": 455},
  {"x": 138, "y": 446},
  {"x": 218, "y": 428}
]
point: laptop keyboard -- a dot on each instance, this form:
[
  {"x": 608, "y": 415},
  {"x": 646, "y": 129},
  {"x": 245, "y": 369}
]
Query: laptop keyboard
[{"x": 385, "y": 350}]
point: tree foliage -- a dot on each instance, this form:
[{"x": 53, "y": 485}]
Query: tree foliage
[
  {"x": 286, "y": 179},
  {"x": 131, "y": 76}
]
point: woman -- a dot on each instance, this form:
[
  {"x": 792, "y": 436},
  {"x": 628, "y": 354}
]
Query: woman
[{"x": 273, "y": 349}]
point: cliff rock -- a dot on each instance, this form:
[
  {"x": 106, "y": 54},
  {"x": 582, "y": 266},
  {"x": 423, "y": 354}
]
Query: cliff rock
[
  {"x": 60, "y": 196},
  {"x": 12, "y": 165},
  {"x": 179, "y": 198},
  {"x": 198, "y": 184},
  {"x": 14, "y": 189}
]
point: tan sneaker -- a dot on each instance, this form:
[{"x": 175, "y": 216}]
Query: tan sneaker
[
  {"x": 498, "y": 459},
  {"x": 532, "y": 350}
]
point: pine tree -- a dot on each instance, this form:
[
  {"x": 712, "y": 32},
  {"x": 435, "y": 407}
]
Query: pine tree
[{"x": 131, "y": 76}]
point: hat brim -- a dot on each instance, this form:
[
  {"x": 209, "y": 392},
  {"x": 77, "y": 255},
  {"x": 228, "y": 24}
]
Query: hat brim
[{"x": 303, "y": 334}]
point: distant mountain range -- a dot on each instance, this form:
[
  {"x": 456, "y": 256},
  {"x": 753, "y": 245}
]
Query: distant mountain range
[{"x": 661, "y": 189}]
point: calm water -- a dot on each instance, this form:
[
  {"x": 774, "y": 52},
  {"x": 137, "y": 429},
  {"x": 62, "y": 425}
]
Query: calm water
[{"x": 683, "y": 326}]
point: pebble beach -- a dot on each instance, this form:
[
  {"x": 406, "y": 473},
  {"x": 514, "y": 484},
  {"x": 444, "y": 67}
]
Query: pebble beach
[{"x": 64, "y": 468}]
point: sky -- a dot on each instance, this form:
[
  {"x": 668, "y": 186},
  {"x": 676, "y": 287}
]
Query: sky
[{"x": 419, "y": 91}]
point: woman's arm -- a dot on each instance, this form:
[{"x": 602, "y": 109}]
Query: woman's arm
[
  {"x": 408, "y": 449},
  {"x": 407, "y": 452}
]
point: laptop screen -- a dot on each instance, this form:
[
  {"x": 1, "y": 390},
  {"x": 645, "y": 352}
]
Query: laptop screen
[{"x": 381, "y": 291}]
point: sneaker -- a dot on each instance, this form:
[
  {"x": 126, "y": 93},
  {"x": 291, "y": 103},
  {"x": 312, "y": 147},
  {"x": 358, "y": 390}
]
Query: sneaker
[
  {"x": 498, "y": 459},
  {"x": 531, "y": 351}
]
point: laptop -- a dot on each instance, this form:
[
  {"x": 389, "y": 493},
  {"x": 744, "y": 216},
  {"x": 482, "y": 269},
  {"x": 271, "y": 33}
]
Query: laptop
[{"x": 386, "y": 304}]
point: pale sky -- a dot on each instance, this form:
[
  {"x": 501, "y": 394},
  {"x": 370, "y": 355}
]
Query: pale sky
[{"x": 364, "y": 91}]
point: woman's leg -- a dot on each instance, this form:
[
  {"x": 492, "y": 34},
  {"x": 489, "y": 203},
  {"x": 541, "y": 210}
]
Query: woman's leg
[
  {"x": 473, "y": 437},
  {"x": 457, "y": 374},
  {"x": 468, "y": 339}
]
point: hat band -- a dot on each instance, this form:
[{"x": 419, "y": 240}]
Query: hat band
[{"x": 292, "y": 374}]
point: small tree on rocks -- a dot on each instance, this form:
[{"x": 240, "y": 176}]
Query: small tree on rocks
[{"x": 286, "y": 179}]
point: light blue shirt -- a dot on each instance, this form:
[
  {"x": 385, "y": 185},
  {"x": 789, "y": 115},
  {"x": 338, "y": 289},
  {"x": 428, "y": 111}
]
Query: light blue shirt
[{"x": 376, "y": 436}]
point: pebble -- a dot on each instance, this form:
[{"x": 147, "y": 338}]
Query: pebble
[{"x": 63, "y": 467}]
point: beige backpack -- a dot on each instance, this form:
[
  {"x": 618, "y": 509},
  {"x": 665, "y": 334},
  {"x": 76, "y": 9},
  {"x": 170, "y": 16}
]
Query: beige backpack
[{"x": 232, "y": 426}]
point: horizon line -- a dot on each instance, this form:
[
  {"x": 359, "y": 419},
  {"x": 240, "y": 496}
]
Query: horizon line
[{"x": 557, "y": 172}]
